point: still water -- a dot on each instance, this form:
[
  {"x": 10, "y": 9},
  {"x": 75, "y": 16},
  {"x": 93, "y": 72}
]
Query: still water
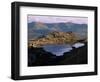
[{"x": 58, "y": 50}]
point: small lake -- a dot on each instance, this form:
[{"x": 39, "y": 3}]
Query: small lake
[{"x": 58, "y": 50}]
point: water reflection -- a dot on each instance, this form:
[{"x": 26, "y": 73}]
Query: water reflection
[{"x": 58, "y": 50}]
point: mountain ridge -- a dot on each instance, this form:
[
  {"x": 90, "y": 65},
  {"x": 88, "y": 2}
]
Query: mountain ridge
[
  {"x": 39, "y": 29},
  {"x": 54, "y": 38}
]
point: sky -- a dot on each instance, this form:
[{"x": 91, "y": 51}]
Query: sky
[{"x": 57, "y": 19}]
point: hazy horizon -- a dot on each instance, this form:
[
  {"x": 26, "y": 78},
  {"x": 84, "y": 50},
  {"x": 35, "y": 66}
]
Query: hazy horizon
[{"x": 57, "y": 19}]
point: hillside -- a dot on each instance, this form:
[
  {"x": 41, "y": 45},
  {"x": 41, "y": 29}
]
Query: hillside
[
  {"x": 38, "y": 29},
  {"x": 54, "y": 38}
]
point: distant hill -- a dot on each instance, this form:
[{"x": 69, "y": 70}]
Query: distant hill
[
  {"x": 54, "y": 38},
  {"x": 38, "y": 29}
]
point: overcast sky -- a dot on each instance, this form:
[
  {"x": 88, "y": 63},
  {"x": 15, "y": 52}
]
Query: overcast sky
[{"x": 57, "y": 19}]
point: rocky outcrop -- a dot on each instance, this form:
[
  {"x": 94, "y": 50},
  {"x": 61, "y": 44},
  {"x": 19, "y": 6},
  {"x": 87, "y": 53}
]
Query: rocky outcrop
[{"x": 54, "y": 38}]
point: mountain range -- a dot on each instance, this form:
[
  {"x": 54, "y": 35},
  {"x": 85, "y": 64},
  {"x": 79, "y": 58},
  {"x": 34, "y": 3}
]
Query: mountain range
[{"x": 39, "y": 29}]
